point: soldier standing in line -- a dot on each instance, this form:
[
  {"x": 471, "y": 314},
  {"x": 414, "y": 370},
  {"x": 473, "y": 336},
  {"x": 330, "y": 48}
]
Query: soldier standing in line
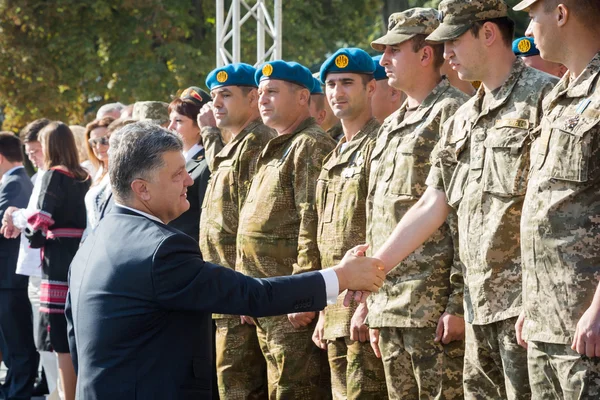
[
  {"x": 277, "y": 234},
  {"x": 386, "y": 99},
  {"x": 356, "y": 373},
  {"x": 560, "y": 226},
  {"x": 424, "y": 290},
  {"x": 480, "y": 169},
  {"x": 234, "y": 107}
]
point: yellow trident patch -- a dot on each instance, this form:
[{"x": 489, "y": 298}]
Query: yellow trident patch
[
  {"x": 341, "y": 61},
  {"x": 267, "y": 70},
  {"x": 524, "y": 46},
  {"x": 222, "y": 76}
]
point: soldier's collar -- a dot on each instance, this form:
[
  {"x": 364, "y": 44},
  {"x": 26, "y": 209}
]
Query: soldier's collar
[
  {"x": 584, "y": 83},
  {"x": 431, "y": 99}
]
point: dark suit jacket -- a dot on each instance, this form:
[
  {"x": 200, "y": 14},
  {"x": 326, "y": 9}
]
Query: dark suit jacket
[
  {"x": 140, "y": 303},
  {"x": 15, "y": 192},
  {"x": 189, "y": 221}
]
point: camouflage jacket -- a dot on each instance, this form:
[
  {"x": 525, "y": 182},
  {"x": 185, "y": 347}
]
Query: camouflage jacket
[
  {"x": 561, "y": 218},
  {"x": 336, "y": 132},
  {"x": 483, "y": 170},
  {"x": 340, "y": 198},
  {"x": 418, "y": 291},
  {"x": 277, "y": 233}
]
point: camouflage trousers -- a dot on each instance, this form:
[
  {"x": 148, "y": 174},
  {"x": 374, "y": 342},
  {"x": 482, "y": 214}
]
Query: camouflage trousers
[
  {"x": 418, "y": 368},
  {"x": 296, "y": 368},
  {"x": 241, "y": 367},
  {"x": 356, "y": 373},
  {"x": 495, "y": 365},
  {"x": 558, "y": 372}
]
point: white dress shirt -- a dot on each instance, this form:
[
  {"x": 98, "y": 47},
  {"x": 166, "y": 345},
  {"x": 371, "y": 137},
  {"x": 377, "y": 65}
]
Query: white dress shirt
[
  {"x": 192, "y": 152},
  {"x": 332, "y": 284}
]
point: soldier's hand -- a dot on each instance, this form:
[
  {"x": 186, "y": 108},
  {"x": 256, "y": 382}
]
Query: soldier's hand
[
  {"x": 358, "y": 330},
  {"x": 587, "y": 333},
  {"x": 317, "y": 336},
  {"x": 246, "y": 320},
  {"x": 450, "y": 328},
  {"x": 206, "y": 117},
  {"x": 357, "y": 272},
  {"x": 519, "y": 330},
  {"x": 302, "y": 319},
  {"x": 374, "y": 335}
]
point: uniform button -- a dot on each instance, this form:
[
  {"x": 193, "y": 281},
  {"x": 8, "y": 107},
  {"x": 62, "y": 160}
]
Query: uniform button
[{"x": 479, "y": 137}]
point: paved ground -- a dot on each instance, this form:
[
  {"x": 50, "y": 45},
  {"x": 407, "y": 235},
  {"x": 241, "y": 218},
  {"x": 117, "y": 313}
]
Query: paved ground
[{"x": 3, "y": 374}]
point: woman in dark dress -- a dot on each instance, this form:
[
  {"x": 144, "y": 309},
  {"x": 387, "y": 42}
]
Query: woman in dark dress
[
  {"x": 56, "y": 227},
  {"x": 182, "y": 119}
]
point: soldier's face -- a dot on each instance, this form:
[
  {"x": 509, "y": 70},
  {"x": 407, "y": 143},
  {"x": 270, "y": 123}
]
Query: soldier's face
[
  {"x": 466, "y": 56},
  {"x": 347, "y": 95},
  {"x": 281, "y": 102},
  {"x": 232, "y": 107},
  {"x": 402, "y": 65},
  {"x": 543, "y": 28}
]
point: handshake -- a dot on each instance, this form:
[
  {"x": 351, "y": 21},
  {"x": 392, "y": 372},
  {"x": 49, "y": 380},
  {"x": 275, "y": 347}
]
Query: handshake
[{"x": 359, "y": 274}]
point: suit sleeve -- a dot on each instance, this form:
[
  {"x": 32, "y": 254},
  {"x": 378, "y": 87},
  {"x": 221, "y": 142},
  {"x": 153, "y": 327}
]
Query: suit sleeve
[
  {"x": 8, "y": 193},
  {"x": 71, "y": 329},
  {"x": 183, "y": 281}
]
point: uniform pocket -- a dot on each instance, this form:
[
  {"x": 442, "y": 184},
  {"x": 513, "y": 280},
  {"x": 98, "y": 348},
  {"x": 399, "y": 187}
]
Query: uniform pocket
[
  {"x": 507, "y": 162},
  {"x": 403, "y": 170},
  {"x": 572, "y": 142}
]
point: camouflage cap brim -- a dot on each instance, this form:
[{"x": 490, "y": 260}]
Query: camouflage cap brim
[
  {"x": 524, "y": 5},
  {"x": 390, "y": 39},
  {"x": 445, "y": 32}
]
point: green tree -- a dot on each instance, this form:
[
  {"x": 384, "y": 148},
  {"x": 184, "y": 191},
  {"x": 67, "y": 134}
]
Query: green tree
[{"x": 62, "y": 58}]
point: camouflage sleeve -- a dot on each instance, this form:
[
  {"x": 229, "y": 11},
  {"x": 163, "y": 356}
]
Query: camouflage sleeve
[
  {"x": 455, "y": 300},
  {"x": 246, "y": 168},
  {"x": 212, "y": 142},
  {"x": 307, "y": 164}
]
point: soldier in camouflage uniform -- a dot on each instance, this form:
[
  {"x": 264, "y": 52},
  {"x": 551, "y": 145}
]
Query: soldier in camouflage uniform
[
  {"x": 235, "y": 108},
  {"x": 277, "y": 233},
  {"x": 424, "y": 288},
  {"x": 386, "y": 99},
  {"x": 356, "y": 373},
  {"x": 480, "y": 168},
  {"x": 560, "y": 226},
  {"x": 318, "y": 104}
]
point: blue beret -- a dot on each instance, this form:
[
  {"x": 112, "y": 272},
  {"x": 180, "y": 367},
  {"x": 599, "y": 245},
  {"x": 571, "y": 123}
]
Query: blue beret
[
  {"x": 318, "y": 88},
  {"x": 285, "y": 71},
  {"x": 525, "y": 47},
  {"x": 379, "y": 73},
  {"x": 239, "y": 74},
  {"x": 348, "y": 60}
]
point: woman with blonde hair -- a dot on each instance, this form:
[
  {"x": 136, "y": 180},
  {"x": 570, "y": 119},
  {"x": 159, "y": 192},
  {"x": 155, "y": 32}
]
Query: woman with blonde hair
[{"x": 56, "y": 228}]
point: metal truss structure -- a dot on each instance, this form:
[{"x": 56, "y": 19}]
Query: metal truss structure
[{"x": 229, "y": 30}]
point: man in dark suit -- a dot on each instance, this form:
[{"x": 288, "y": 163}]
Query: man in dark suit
[
  {"x": 141, "y": 297},
  {"x": 16, "y": 329}
]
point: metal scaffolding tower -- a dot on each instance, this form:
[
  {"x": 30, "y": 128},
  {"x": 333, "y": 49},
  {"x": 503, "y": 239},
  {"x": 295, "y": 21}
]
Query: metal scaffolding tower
[{"x": 229, "y": 29}]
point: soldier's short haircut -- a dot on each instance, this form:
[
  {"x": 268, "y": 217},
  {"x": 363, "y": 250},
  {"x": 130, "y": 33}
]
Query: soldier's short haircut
[
  {"x": 319, "y": 100},
  {"x": 136, "y": 152},
  {"x": 31, "y": 131},
  {"x": 11, "y": 147},
  {"x": 419, "y": 42},
  {"x": 247, "y": 89},
  {"x": 586, "y": 10},
  {"x": 504, "y": 24}
]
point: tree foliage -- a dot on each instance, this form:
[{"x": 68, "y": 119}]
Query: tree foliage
[{"x": 62, "y": 58}]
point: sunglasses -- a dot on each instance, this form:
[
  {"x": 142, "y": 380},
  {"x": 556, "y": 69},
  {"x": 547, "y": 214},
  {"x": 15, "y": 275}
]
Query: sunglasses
[{"x": 96, "y": 141}]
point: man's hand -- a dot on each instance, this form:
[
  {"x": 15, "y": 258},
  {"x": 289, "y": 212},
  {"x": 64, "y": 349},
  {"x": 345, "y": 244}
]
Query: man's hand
[
  {"x": 302, "y": 319},
  {"x": 359, "y": 296},
  {"x": 246, "y": 320},
  {"x": 519, "y": 330},
  {"x": 358, "y": 272},
  {"x": 206, "y": 117},
  {"x": 450, "y": 328},
  {"x": 317, "y": 336},
  {"x": 358, "y": 330},
  {"x": 374, "y": 334},
  {"x": 587, "y": 333}
]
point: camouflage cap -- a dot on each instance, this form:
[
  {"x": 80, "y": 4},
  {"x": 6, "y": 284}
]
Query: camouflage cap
[
  {"x": 155, "y": 111},
  {"x": 457, "y": 16},
  {"x": 407, "y": 24},
  {"x": 524, "y": 5}
]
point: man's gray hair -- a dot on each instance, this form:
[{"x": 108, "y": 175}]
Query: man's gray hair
[
  {"x": 136, "y": 151},
  {"x": 109, "y": 108}
]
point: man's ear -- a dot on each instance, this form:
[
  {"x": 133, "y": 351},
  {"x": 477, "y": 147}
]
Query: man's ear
[
  {"x": 303, "y": 96},
  {"x": 562, "y": 15},
  {"x": 253, "y": 98},
  {"x": 139, "y": 187}
]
